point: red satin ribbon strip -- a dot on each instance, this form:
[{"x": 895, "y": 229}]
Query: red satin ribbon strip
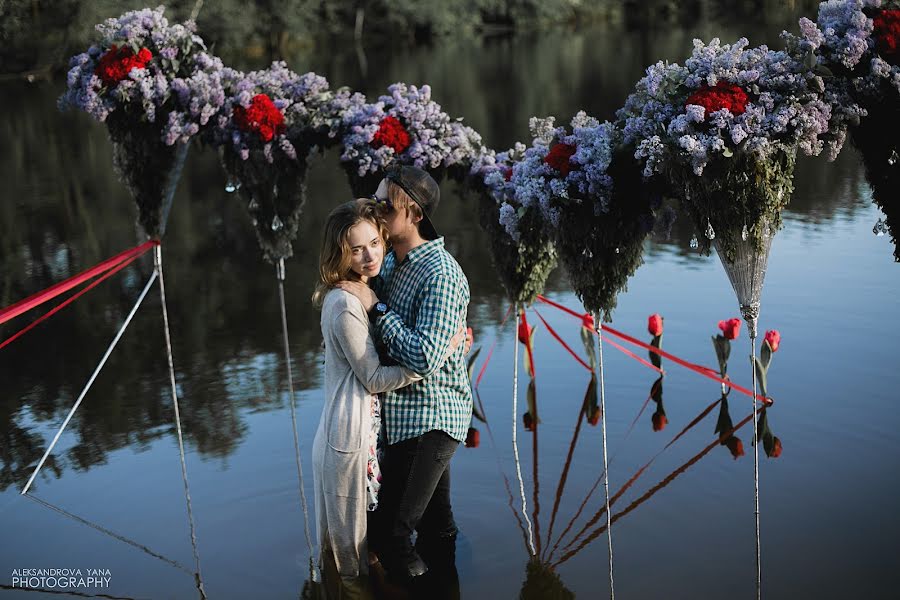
[
  {"x": 560, "y": 340},
  {"x": 705, "y": 371},
  {"x": 628, "y": 352},
  {"x": 14, "y": 310},
  {"x": 494, "y": 345}
]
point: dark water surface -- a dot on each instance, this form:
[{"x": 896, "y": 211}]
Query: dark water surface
[{"x": 829, "y": 522}]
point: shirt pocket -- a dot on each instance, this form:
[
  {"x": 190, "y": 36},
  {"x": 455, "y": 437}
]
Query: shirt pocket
[{"x": 347, "y": 423}]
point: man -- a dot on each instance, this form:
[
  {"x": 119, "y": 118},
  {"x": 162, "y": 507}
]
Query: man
[{"x": 419, "y": 302}]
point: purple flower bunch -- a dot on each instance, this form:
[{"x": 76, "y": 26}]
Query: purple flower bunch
[
  {"x": 782, "y": 108},
  {"x": 561, "y": 168},
  {"x": 405, "y": 125},
  {"x": 178, "y": 86},
  {"x": 310, "y": 112}
]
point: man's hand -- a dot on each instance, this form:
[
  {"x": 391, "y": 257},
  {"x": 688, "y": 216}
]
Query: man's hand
[
  {"x": 470, "y": 339},
  {"x": 457, "y": 340},
  {"x": 361, "y": 291}
]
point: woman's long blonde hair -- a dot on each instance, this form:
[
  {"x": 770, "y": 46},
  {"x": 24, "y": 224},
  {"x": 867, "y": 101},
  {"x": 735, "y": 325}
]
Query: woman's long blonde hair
[{"x": 335, "y": 254}]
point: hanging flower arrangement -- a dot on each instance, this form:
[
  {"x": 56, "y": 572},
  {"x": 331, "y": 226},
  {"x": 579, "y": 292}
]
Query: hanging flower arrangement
[
  {"x": 408, "y": 127},
  {"x": 155, "y": 87}
]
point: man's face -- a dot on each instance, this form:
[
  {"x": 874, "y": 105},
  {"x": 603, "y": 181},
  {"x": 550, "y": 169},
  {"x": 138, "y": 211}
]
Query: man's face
[{"x": 399, "y": 222}]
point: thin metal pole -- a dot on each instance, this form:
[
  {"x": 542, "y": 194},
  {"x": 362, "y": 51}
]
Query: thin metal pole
[
  {"x": 515, "y": 424},
  {"x": 91, "y": 380},
  {"x": 599, "y": 326},
  {"x": 756, "y": 461},
  {"x": 157, "y": 261},
  {"x": 280, "y": 275}
]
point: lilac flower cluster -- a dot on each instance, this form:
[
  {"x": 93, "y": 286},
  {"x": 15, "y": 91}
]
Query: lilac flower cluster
[
  {"x": 842, "y": 40},
  {"x": 307, "y": 103},
  {"x": 180, "y": 88},
  {"x": 536, "y": 184},
  {"x": 785, "y": 108},
  {"x": 435, "y": 140}
]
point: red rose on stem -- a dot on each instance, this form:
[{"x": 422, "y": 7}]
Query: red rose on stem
[
  {"x": 659, "y": 421},
  {"x": 558, "y": 158},
  {"x": 735, "y": 446},
  {"x": 773, "y": 338},
  {"x": 887, "y": 35},
  {"x": 117, "y": 63},
  {"x": 730, "y": 328},
  {"x": 391, "y": 132},
  {"x": 261, "y": 117},
  {"x": 655, "y": 325},
  {"x": 473, "y": 438},
  {"x": 722, "y": 95}
]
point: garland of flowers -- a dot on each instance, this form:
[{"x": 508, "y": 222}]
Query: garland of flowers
[
  {"x": 523, "y": 260},
  {"x": 857, "y": 43},
  {"x": 408, "y": 127},
  {"x": 155, "y": 87}
]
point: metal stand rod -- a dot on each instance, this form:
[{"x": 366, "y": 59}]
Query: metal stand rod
[
  {"x": 755, "y": 459},
  {"x": 157, "y": 261},
  {"x": 599, "y": 326},
  {"x": 515, "y": 422},
  {"x": 280, "y": 275},
  {"x": 91, "y": 380}
]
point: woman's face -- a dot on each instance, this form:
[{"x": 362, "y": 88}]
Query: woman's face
[{"x": 366, "y": 250}]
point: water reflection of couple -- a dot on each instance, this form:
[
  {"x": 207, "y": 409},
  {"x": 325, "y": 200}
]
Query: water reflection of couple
[{"x": 411, "y": 301}]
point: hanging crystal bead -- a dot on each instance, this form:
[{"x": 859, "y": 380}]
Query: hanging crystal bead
[
  {"x": 745, "y": 233},
  {"x": 229, "y": 186},
  {"x": 695, "y": 243},
  {"x": 710, "y": 232},
  {"x": 894, "y": 158},
  {"x": 277, "y": 225},
  {"x": 253, "y": 205},
  {"x": 879, "y": 228},
  {"x": 617, "y": 249}
]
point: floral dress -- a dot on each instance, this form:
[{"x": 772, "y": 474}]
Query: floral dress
[{"x": 375, "y": 451}]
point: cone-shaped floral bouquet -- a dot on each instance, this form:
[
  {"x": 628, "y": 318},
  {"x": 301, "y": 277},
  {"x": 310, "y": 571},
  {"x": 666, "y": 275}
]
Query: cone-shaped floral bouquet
[
  {"x": 855, "y": 45},
  {"x": 407, "y": 127},
  {"x": 271, "y": 122},
  {"x": 155, "y": 87},
  {"x": 594, "y": 201},
  {"x": 521, "y": 248}
]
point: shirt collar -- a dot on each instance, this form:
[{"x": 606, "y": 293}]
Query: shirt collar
[{"x": 424, "y": 250}]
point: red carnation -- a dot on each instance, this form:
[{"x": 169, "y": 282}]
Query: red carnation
[
  {"x": 655, "y": 325},
  {"x": 391, "y": 132},
  {"x": 473, "y": 438},
  {"x": 261, "y": 117},
  {"x": 887, "y": 35},
  {"x": 722, "y": 95},
  {"x": 730, "y": 328},
  {"x": 659, "y": 421},
  {"x": 735, "y": 446},
  {"x": 558, "y": 158},
  {"x": 117, "y": 63},
  {"x": 773, "y": 338}
]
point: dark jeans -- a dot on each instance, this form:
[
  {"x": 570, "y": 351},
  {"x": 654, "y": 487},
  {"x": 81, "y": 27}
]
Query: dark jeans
[{"x": 415, "y": 494}]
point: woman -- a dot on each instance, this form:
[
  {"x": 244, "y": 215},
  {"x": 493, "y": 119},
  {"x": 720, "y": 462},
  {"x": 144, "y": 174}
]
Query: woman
[{"x": 345, "y": 463}]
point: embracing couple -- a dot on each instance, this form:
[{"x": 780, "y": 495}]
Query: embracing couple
[{"x": 397, "y": 396}]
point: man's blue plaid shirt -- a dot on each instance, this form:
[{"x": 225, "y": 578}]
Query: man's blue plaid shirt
[{"x": 428, "y": 296}]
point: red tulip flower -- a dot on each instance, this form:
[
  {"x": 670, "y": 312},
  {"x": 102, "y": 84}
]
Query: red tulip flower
[
  {"x": 659, "y": 421},
  {"x": 528, "y": 421},
  {"x": 730, "y": 328},
  {"x": 655, "y": 325},
  {"x": 773, "y": 338},
  {"x": 587, "y": 321},
  {"x": 735, "y": 446},
  {"x": 594, "y": 415},
  {"x": 473, "y": 438},
  {"x": 776, "y": 449},
  {"x": 525, "y": 331}
]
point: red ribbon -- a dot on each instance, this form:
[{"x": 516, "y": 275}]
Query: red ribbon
[
  {"x": 14, "y": 310},
  {"x": 705, "y": 371},
  {"x": 628, "y": 352},
  {"x": 491, "y": 351},
  {"x": 527, "y": 342},
  {"x": 560, "y": 340}
]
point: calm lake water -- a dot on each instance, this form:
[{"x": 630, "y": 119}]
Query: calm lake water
[{"x": 829, "y": 523}]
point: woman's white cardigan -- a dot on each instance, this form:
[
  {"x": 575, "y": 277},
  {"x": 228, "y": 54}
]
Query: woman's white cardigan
[{"x": 340, "y": 450}]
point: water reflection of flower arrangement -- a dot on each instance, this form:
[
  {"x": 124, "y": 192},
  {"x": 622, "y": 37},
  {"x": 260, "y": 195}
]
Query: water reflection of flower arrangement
[
  {"x": 408, "y": 127},
  {"x": 523, "y": 260},
  {"x": 155, "y": 87},
  {"x": 770, "y": 345},
  {"x": 724, "y": 130},
  {"x": 269, "y": 125},
  {"x": 855, "y": 43}
]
